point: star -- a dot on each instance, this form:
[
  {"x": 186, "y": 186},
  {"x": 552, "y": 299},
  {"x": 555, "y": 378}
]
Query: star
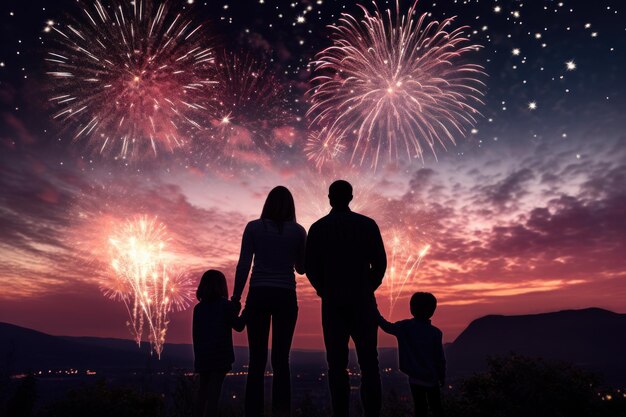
[
  {"x": 570, "y": 65},
  {"x": 516, "y": 51},
  {"x": 532, "y": 105}
]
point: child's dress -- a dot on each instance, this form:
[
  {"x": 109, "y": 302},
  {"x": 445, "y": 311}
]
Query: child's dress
[{"x": 213, "y": 322}]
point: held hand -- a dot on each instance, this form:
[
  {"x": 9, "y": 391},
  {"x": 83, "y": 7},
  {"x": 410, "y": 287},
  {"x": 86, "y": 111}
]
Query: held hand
[{"x": 236, "y": 303}]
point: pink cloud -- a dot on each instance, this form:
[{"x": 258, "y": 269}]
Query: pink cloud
[{"x": 503, "y": 240}]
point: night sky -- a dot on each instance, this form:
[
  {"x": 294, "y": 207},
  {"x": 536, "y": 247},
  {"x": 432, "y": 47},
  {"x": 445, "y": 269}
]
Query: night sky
[{"x": 524, "y": 215}]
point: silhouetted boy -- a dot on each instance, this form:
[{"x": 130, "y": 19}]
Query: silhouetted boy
[{"x": 420, "y": 350}]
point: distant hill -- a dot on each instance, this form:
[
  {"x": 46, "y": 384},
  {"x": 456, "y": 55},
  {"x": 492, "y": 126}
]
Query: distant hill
[
  {"x": 23, "y": 349},
  {"x": 592, "y": 338}
]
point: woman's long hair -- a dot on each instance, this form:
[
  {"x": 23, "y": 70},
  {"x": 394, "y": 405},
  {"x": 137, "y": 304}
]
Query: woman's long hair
[
  {"x": 212, "y": 286},
  {"x": 279, "y": 207}
]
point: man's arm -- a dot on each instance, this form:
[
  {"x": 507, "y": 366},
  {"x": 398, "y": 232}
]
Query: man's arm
[
  {"x": 441, "y": 360},
  {"x": 313, "y": 260},
  {"x": 245, "y": 261},
  {"x": 378, "y": 261}
]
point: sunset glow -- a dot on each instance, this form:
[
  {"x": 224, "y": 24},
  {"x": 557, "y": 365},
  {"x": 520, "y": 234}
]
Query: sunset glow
[{"x": 133, "y": 153}]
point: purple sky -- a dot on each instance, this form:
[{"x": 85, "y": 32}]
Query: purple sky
[{"x": 524, "y": 215}]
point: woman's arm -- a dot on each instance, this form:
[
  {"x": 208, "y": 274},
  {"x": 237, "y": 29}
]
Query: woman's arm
[
  {"x": 313, "y": 260},
  {"x": 245, "y": 261},
  {"x": 300, "y": 267},
  {"x": 236, "y": 321},
  {"x": 195, "y": 329}
]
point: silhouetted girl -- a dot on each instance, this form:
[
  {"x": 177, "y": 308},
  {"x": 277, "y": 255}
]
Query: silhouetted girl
[
  {"x": 213, "y": 318},
  {"x": 276, "y": 242}
]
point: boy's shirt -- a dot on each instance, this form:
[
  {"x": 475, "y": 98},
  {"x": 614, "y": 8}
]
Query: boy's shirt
[{"x": 420, "y": 350}]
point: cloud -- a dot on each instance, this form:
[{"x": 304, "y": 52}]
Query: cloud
[
  {"x": 55, "y": 225},
  {"x": 510, "y": 189},
  {"x": 16, "y": 130},
  {"x": 497, "y": 238},
  {"x": 502, "y": 235}
]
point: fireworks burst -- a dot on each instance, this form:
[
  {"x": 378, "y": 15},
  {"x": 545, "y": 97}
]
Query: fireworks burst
[
  {"x": 323, "y": 147},
  {"x": 404, "y": 262},
  {"x": 143, "y": 282},
  {"x": 131, "y": 78},
  {"x": 395, "y": 84},
  {"x": 250, "y": 103}
]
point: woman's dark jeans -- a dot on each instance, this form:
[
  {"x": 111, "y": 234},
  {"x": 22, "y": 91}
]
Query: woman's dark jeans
[{"x": 278, "y": 307}]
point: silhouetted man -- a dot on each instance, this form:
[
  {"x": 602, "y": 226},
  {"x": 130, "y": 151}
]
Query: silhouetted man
[{"x": 345, "y": 262}]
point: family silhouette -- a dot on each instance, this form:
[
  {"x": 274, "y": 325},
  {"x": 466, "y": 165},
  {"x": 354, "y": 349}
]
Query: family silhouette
[{"x": 344, "y": 259}]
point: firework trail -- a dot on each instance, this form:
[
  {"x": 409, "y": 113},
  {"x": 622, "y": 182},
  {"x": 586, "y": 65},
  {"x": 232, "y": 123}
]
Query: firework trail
[
  {"x": 249, "y": 104},
  {"x": 143, "y": 281},
  {"x": 404, "y": 262},
  {"x": 131, "y": 78},
  {"x": 394, "y": 84},
  {"x": 324, "y": 147}
]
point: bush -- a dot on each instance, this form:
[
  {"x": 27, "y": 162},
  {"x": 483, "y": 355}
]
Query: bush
[
  {"x": 394, "y": 407},
  {"x": 100, "y": 400},
  {"x": 517, "y": 386},
  {"x": 22, "y": 403}
]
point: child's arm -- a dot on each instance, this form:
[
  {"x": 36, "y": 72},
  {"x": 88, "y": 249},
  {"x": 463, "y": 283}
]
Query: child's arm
[{"x": 391, "y": 328}]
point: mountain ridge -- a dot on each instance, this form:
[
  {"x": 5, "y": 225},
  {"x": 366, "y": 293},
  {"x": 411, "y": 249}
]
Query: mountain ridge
[{"x": 589, "y": 338}]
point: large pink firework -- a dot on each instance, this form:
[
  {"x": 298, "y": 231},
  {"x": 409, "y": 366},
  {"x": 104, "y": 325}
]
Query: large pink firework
[
  {"x": 143, "y": 279},
  {"x": 131, "y": 78},
  {"x": 249, "y": 104},
  {"x": 395, "y": 84}
]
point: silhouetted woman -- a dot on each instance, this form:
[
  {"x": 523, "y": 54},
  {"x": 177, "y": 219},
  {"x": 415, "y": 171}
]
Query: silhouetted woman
[
  {"x": 277, "y": 244},
  {"x": 213, "y": 318}
]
